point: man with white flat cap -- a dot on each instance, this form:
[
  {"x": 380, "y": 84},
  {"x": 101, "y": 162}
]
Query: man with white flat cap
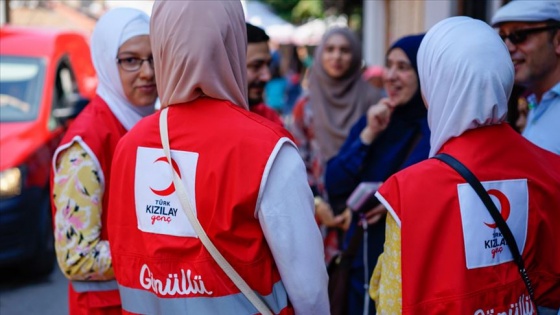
[{"x": 531, "y": 31}]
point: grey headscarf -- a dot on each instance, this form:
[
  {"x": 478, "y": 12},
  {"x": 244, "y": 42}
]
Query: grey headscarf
[{"x": 336, "y": 104}]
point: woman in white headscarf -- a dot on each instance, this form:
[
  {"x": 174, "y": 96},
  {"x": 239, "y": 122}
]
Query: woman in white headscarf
[
  {"x": 122, "y": 57},
  {"x": 443, "y": 253}
]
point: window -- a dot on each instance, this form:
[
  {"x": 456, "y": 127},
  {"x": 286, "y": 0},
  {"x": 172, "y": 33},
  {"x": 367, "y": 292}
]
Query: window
[
  {"x": 21, "y": 87},
  {"x": 65, "y": 94}
]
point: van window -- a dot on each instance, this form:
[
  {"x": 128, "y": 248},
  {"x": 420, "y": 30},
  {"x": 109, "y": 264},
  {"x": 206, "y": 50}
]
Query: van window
[{"x": 21, "y": 88}]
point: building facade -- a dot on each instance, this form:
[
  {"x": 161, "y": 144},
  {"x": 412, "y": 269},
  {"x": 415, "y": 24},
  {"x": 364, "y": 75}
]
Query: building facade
[{"x": 384, "y": 21}]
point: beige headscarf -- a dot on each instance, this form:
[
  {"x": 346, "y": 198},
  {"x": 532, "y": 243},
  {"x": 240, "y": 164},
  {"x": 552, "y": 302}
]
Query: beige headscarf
[
  {"x": 337, "y": 104},
  {"x": 199, "y": 48}
]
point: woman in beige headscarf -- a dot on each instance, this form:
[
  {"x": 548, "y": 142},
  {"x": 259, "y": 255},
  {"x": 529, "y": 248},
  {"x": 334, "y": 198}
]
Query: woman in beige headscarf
[
  {"x": 338, "y": 95},
  {"x": 237, "y": 168}
]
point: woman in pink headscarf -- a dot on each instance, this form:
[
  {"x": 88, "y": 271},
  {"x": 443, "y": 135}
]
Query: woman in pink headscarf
[{"x": 237, "y": 169}]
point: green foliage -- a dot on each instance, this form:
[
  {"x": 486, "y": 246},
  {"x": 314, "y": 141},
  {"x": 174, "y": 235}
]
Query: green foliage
[
  {"x": 307, "y": 9},
  {"x": 282, "y": 7},
  {"x": 296, "y": 11}
]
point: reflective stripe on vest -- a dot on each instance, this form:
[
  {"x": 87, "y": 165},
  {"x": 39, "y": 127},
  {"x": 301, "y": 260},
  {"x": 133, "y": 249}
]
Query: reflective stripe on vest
[
  {"x": 94, "y": 286},
  {"x": 146, "y": 302}
]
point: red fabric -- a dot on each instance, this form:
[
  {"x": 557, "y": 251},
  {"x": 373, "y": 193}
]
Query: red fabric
[
  {"x": 267, "y": 112},
  {"x": 298, "y": 113},
  {"x": 424, "y": 196},
  {"x": 101, "y": 131},
  {"x": 227, "y": 139},
  {"x": 100, "y": 303},
  {"x": 303, "y": 133}
]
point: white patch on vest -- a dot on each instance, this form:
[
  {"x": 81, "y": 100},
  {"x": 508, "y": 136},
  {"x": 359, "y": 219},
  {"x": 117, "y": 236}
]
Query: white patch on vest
[
  {"x": 158, "y": 208},
  {"x": 484, "y": 243},
  {"x": 186, "y": 284}
]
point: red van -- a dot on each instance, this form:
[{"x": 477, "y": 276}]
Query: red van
[{"x": 46, "y": 77}]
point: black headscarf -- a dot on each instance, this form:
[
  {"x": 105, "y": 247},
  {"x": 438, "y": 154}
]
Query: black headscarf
[{"x": 414, "y": 109}]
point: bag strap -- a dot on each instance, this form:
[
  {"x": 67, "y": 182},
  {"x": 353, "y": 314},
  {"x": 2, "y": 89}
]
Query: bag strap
[
  {"x": 502, "y": 225},
  {"x": 257, "y": 302},
  {"x": 354, "y": 243}
]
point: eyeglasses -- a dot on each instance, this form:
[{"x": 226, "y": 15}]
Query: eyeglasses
[
  {"x": 519, "y": 36},
  {"x": 134, "y": 64}
]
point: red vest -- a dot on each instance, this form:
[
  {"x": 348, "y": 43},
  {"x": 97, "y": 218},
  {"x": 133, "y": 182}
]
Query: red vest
[
  {"x": 220, "y": 152},
  {"x": 454, "y": 260},
  {"x": 99, "y": 130}
]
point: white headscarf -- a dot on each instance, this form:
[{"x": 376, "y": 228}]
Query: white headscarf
[
  {"x": 111, "y": 31},
  {"x": 466, "y": 77}
]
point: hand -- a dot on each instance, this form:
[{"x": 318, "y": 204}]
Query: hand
[
  {"x": 374, "y": 215},
  {"x": 324, "y": 214},
  {"x": 346, "y": 219},
  {"x": 378, "y": 118}
]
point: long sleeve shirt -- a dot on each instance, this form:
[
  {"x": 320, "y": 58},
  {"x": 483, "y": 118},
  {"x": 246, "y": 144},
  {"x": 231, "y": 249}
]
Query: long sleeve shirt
[
  {"x": 357, "y": 162},
  {"x": 286, "y": 214},
  {"x": 78, "y": 195},
  {"x": 542, "y": 121},
  {"x": 385, "y": 287}
]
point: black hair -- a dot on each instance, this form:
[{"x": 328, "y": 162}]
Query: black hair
[
  {"x": 256, "y": 34},
  {"x": 555, "y": 27}
]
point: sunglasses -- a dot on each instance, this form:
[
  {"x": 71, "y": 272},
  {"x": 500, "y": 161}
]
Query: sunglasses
[{"x": 519, "y": 36}]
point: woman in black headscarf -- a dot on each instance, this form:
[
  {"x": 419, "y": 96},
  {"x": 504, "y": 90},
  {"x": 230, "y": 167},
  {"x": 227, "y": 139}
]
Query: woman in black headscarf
[{"x": 392, "y": 135}]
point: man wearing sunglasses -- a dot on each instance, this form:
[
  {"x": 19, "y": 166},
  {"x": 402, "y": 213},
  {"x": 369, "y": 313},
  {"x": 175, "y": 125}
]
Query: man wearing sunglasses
[{"x": 531, "y": 31}]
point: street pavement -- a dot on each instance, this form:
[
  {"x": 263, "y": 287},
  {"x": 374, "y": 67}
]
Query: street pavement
[{"x": 41, "y": 296}]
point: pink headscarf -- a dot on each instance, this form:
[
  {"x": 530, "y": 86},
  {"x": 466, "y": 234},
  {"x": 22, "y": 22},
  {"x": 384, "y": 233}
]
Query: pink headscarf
[
  {"x": 372, "y": 71},
  {"x": 199, "y": 48}
]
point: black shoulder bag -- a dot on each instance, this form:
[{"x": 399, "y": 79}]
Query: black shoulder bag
[
  {"x": 339, "y": 274},
  {"x": 502, "y": 225}
]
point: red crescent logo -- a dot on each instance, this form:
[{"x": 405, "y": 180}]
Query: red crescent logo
[
  {"x": 171, "y": 189},
  {"x": 504, "y": 205}
]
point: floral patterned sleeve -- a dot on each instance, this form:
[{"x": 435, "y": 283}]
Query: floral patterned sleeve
[
  {"x": 385, "y": 287},
  {"x": 78, "y": 193}
]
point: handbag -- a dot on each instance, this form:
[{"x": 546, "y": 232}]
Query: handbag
[
  {"x": 500, "y": 222},
  {"x": 257, "y": 302},
  {"x": 339, "y": 274}
]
